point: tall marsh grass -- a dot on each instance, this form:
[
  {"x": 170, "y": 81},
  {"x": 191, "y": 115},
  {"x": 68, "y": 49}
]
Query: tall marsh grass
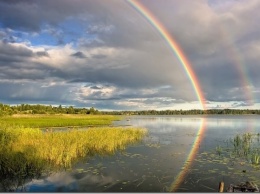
[
  {"x": 246, "y": 146},
  {"x": 62, "y": 148},
  {"x": 27, "y": 152},
  {"x": 242, "y": 144}
]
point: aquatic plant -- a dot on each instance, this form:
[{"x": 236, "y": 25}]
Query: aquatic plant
[
  {"x": 242, "y": 144},
  {"x": 255, "y": 158},
  {"x": 237, "y": 141},
  {"x": 245, "y": 149},
  {"x": 219, "y": 150}
]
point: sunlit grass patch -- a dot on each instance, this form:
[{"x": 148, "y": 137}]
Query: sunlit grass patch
[
  {"x": 57, "y": 120},
  {"x": 27, "y": 152},
  {"x": 61, "y": 148}
]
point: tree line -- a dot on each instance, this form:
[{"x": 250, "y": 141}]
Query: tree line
[
  {"x": 6, "y": 109},
  {"x": 186, "y": 112}
]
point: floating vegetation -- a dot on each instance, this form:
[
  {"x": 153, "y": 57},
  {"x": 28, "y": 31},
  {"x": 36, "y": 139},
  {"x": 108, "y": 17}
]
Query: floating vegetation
[
  {"x": 255, "y": 158},
  {"x": 239, "y": 159},
  {"x": 219, "y": 150},
  {"x": 26, "y": 153}
]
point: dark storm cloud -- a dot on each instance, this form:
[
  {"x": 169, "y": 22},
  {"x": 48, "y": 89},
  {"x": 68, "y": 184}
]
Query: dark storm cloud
[
  {"x": 20, "y": 63},
  {"x": 29, "y": 15},
  {"x": 95, "y": 87},
  {"x": 42, "y": 54},
  {"x": 111, "y": 21},
  {"x": 34, "y": 92},
  {"x": 123, "y": 50},
  {"x": 13, "y": 57},
  {"x": 15, "y": 62},
  {"x": 123, "y": 78},
  {"x": 207, "y": 43},
  {"x": 79, "y": 54},
  {"x": 15, "y": 50}
]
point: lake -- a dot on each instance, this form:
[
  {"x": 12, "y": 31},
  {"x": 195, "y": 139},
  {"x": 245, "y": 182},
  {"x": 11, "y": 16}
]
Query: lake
[{"x": 180, "y": 153}]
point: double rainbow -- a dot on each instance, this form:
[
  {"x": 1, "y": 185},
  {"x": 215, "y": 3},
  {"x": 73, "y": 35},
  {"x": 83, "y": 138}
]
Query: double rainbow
[
  {"x": 237, "y": 60},
  {"x": 175, "y": 48}
]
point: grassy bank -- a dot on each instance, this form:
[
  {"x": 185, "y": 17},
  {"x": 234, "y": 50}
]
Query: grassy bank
[{"x": 57, "y": 120}]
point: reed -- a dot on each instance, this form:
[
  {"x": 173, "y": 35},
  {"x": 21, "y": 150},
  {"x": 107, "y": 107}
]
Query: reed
[
  {"x": 62, "y": 148},
  {"x": 219, "y": 150},
  {"x": 255, "y": 158},
  {"x": 26, "y": 153},
  {"x": 242, "y": 144}
]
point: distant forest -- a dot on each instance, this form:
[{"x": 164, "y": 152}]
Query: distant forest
[{"x": 6, "y": 109}]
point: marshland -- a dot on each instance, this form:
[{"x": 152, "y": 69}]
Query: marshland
[
  {"x": 128, "y": 154},
  {"x": 31, "y": 147}
]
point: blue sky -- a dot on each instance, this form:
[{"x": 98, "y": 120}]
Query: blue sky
[{"x": 105, "y": 54}]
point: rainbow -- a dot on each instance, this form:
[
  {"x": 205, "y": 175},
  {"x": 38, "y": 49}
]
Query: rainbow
[
  {"x": 189, "y": 71},
  {"x": 174, "y": 47},
  {"x": 187, "y": 164},
  {"x": 237, "y": 60}
]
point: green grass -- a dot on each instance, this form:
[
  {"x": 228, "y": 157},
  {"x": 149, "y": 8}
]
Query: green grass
[{"x": 57, "y": 120}]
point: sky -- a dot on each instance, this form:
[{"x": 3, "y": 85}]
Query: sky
[{"x": 108, "y": 55}]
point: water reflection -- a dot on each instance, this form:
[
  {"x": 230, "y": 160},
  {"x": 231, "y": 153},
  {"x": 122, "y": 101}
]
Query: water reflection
[
  {"x": 16, "y": 169},
  {"x": 174, "y": 153}
]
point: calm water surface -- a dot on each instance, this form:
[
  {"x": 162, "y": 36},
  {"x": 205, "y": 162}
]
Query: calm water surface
[{"x": 155, "y": 164}]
